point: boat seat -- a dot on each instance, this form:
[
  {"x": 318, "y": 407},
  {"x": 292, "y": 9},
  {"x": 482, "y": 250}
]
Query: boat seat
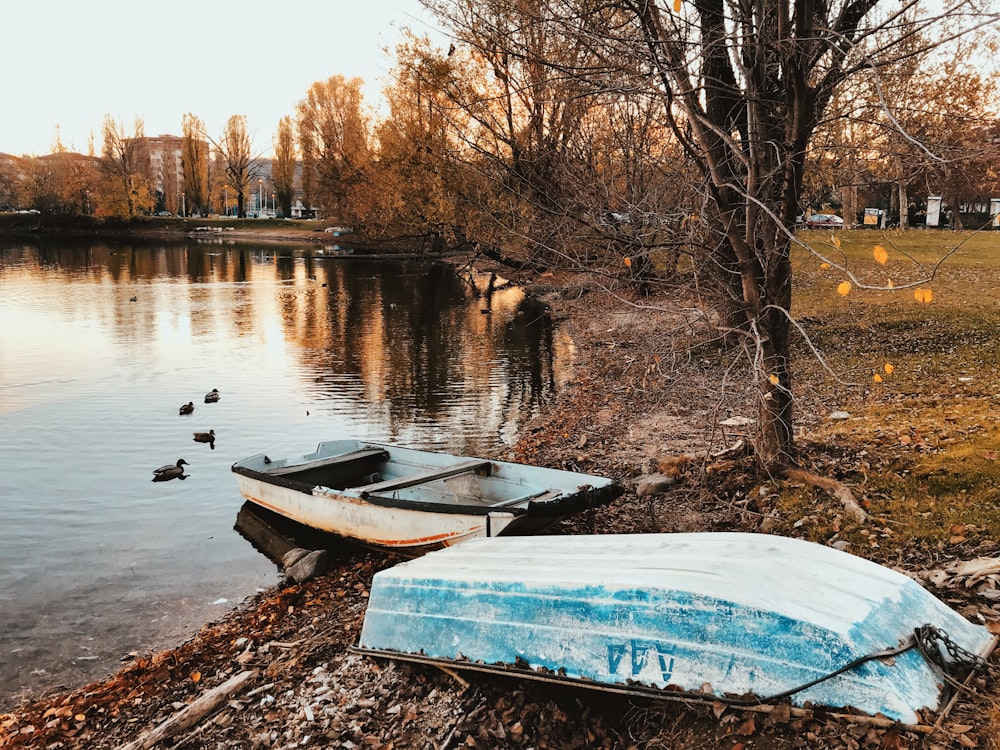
[
  {"x": 423, "y": 477},
  {"x": 343, "y": 458},
  {"x": 539, "y": 497}
]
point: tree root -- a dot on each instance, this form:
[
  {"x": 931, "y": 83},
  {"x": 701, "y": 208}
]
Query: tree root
[{"x": 838, "y": 490}]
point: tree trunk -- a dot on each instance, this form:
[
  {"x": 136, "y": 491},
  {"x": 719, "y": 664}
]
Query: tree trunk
[
  {"x": 850, "y": 199},
  {"x": 904, "y": 205},
  {"x": 775, "y": 439}
]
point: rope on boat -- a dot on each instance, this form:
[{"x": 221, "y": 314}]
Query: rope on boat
[
  {"x": 906, "y": 645},
  {"x": 934, "y": 644}
]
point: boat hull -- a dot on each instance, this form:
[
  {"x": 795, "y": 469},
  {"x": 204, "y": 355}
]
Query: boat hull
[
  {"x": 414, "y": 501},
  {"x": 730, "y": 614}
]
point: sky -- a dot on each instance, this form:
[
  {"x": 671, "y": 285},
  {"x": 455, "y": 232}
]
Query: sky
[{"x": 67, "y": 64}]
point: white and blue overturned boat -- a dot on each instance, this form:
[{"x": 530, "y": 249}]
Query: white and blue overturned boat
[{"x": 722, "y": 615}]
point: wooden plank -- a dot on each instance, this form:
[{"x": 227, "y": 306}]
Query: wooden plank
[
  {"x": 192, "y": 713},
  {"x": 541, "y": 496},
  {"x": 423, "y": 477},
  {"x": 343, "y": 458}
]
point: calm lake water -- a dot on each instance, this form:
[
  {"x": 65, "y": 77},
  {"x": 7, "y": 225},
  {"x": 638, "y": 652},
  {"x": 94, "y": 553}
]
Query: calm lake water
[{"x": 102, "y": 343}]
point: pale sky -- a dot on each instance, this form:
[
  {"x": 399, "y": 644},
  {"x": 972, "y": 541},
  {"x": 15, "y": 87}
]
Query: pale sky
[{"x": 69, "y": 63}]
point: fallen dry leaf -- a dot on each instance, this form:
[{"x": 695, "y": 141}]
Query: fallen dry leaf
[
  {"x": 781, "y": 714},
  {"x": 748, "y": 727}
]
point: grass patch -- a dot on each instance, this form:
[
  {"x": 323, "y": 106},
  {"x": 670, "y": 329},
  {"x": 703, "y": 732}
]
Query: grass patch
[{"x": 921, "y": 449}]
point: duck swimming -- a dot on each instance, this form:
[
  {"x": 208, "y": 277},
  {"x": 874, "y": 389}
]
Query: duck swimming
[
  {"x": 170, "y": 471},
  {"x": 212, "y": 396},
  {"x": 187, "y": 408},
  {"x": 206, "y": 437}
]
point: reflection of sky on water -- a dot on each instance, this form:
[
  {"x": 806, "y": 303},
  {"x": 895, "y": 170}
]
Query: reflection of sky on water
[{"x": 303, "y": 349}]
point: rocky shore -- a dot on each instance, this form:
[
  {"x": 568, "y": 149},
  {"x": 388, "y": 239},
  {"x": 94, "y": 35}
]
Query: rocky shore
[{"x": 279, "y": 672}]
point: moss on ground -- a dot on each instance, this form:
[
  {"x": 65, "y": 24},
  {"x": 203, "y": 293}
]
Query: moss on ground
[{"x": 921, "y": 447}]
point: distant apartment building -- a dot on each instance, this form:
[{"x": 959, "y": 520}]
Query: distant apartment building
[{"x": 163, "y": 158}]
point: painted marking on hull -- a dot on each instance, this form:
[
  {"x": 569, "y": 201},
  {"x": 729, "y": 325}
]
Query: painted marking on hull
[{"x": 639, "y": 651}]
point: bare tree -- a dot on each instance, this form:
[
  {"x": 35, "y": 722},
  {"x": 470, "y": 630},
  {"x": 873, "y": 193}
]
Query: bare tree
[
  {"x": 743, "y": 87},
  {"x": 241, "y": 167}
]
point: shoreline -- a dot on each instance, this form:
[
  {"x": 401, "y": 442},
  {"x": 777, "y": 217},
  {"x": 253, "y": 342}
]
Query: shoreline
[{"x": 309, "y": 688}]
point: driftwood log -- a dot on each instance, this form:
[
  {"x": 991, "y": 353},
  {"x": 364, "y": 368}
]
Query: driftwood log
[
  {"x": 839, "y": 490},
  {"x": 193, "y": 713}
]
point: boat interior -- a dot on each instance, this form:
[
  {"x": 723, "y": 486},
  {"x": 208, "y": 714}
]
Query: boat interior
[
  {"x": 354, "y": 469},
  {"x": 372, "y": 473}
]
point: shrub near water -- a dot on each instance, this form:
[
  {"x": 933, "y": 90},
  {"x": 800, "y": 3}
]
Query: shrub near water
[{"x": 920, "y": 376}]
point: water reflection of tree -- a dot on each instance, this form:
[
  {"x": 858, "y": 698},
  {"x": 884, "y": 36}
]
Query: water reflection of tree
[
  {"x": 400, "y": 341},
  {"x": 420, "y": 347},
  {"x": 527, "y": 338}
]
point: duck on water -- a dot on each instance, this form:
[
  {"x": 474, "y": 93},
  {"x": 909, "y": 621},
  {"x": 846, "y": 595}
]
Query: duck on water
[
  {"x": 206, "y": 437},
  {"x": 171, "y": 471}
]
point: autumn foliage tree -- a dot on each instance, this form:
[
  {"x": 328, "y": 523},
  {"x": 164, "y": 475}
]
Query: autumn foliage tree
[
  {"x": 333, "y": 134},
  {"x": 194, "y": 159},
  {"x": 422, "y": 186},
  {"x": 126, "y": 190},
  {"x": 284, "y": 165},
  {"x": 913, "y": 126}
]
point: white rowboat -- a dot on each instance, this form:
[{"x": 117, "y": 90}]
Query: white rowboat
[{"x": 411, "y": 500}]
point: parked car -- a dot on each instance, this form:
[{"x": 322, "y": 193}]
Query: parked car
[{"x": 819, "y": 221}]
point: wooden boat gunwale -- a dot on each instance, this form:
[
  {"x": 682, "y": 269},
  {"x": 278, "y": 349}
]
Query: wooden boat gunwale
[{"x": 656, "y": 693}]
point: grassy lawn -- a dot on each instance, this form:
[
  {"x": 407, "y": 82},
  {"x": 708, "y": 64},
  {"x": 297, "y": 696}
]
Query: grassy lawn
[{"x": 921, "y": 448}]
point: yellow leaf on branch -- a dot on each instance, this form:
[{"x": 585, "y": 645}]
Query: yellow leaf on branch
[
  {"x": 844, "y": 288},
  {"x": 773, "y": 379},
  {"x": 677, "y": 6},
  {"x": 923, "y": 296},
  {"x": 836, "y": 241},
  {"x": 881, "y": 255}
]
